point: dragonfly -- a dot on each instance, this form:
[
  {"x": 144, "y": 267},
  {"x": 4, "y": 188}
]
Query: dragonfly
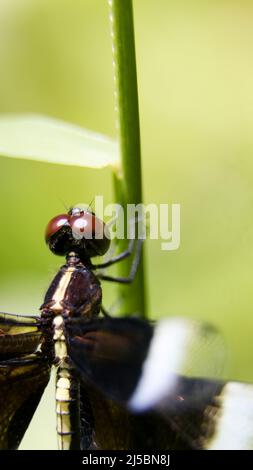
[{"x": 121, "y": 383}]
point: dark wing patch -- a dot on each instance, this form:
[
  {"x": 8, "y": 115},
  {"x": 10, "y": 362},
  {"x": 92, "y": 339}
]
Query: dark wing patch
[
  {"x": 115, "y": 428},
  {"x": 110, "y": 353},
  {"x": 192, "y": 410},
  {"x": 22, "y": 383},
  {"x": 87, "y": 421},
  {"x": 13, "y": 345}
]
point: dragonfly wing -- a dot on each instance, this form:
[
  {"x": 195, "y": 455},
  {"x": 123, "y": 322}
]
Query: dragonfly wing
[
  {"x": 19, "y": 335},
  {"x": 169, "y": 368},
  {"x": 14, "y": 319},
  {"x": 212, "y": 415},
  {"x": 22, "y": 382},
  {"x": 110, "y": 426},
  {"x": 135, "y": 362},
  {"x": 109, "y": 353}
]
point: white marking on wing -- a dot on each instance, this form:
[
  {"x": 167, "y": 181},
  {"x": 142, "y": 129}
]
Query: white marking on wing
[
  {"x": 165, "y": 358},
  {"x": 234, "y": 422}
]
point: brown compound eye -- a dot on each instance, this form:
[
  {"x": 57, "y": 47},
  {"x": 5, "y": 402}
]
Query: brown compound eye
[
  {"x": 82, "y": 224},
  {"x": 55, "y": 224},
  {"x": 85, "y": 225}
]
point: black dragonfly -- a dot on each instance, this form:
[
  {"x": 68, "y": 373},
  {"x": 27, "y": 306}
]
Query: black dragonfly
[{"x": 121, "y": 383}]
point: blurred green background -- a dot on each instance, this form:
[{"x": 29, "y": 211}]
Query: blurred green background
[{"x": 195, "y": 73}]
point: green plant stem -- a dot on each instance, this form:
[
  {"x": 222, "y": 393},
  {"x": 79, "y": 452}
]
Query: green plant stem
[{"x": 128, "y": 184}]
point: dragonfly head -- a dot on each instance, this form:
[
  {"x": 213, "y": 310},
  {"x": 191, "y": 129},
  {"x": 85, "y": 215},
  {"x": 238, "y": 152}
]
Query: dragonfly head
[{"x": 79, "y": 230}]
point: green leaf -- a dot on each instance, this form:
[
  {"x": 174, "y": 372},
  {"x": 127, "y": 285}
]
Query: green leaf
[{"x": 41, "y": 138}]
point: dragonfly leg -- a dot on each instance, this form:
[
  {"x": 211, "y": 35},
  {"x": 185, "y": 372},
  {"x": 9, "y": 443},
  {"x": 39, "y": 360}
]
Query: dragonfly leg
[
  {"x": 117, "y": 258},
  {"x": 135, "y": 263}
]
